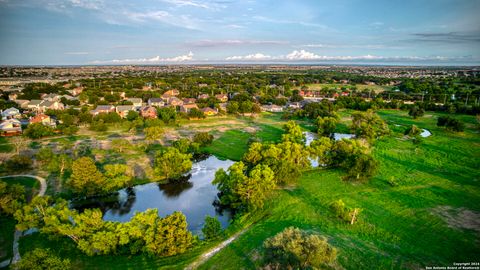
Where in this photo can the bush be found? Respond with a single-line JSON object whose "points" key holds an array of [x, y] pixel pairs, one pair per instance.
{"points": [[203, 138], [18, 163], [349, 215], [296, 249], [37, 130], [212, 228], [40, 259], [451, 123]]}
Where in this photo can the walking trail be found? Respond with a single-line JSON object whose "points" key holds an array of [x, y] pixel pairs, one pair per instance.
{"points": [[18, 234], [207, 255]]}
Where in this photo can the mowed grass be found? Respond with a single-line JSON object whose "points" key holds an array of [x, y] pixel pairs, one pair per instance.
{"points": [[232, 144], [339, 86], [399, 226]]}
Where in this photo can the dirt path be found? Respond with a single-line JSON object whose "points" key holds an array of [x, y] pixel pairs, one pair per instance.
{"points": [[207, 255], [18, 234]]}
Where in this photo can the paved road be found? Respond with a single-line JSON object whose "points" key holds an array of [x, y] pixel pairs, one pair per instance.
{"points": [[18, 234]]}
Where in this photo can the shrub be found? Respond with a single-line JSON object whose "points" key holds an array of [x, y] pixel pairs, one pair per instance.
{"points": [[212, 228], [18, 163], [203, 138], [296, 249]]}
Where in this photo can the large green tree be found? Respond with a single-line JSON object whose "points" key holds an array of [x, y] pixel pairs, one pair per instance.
{"points": [[86, 179], [170, 163]]}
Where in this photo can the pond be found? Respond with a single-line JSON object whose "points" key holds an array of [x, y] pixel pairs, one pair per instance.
{"points": [[194, 197]]}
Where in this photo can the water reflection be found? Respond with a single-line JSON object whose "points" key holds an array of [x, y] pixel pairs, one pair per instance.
{"points": [[194, 197]]}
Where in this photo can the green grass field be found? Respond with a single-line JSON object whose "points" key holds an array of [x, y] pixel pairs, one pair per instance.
{"points": [[425, 219], [410, 225]]}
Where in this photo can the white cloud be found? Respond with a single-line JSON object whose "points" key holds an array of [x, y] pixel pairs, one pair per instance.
{"points": [[153, 60], [250, 57], [302, 55]]}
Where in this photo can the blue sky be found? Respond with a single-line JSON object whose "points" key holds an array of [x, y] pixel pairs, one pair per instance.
{"points": [[62, 32]]}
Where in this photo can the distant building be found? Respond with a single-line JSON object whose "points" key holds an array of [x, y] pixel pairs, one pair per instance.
{"points": [[11, 113], [136, 102], [23, 103], [209, 111], [173, 101], [157, 102], [10, 127], [34, 104], [43, 119], [123, 110], [203, 96], [103, 109], [272, 108], [186, 108], [222, 97], [52, 105], [173, 92], [189, 100], [148, 112]]}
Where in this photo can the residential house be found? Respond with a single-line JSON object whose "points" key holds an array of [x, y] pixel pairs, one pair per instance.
{"points": [[148, 112], [52, 105], [10, 127], [136, 102], [222, 97], [166, 97], [272, 108], [223, 106], [51, 97], [43, 119], [173, 92], [11, 113], [186, 108], [123, 110], [189, 100], [34, 104], [203, 96], [76, 91], [103, 109], [209, 111], [173, 101], [23, 103], [12, 96], [157, 102]]}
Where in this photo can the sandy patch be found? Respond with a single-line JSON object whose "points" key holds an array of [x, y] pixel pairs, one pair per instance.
{"points": [[459, 218]]}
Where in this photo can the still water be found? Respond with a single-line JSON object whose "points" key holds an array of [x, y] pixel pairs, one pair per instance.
{"points": [[194, 197]]}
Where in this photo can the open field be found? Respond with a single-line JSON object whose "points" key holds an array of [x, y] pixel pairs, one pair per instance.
{"points": [[405, 226], [429, 217]]}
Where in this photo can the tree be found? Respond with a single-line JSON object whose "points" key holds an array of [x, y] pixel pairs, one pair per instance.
{"points": [[153, 133], [416, 112], [42, 259], [450, 123], [132, 115], [296, 249], [354, 156], [19, 143], [368, 125], [86, 179], [326, 125], [11, 197], [120, 145], [37, 130], [343, 212], [195, 113], [212, 228], [185, 146], [413, 131], [171, 164], [203, 138], [293, 133], [18, 163], [243, 192], [117, 176], [167, 114], [320, 150]]}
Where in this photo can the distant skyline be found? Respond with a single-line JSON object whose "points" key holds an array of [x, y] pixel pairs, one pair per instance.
{"points": [[81, 32]]}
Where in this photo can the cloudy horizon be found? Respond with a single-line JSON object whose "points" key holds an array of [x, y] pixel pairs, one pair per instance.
{"points": [[81, 32]]}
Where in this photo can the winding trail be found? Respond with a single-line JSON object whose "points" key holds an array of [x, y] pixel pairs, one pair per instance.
{"points": [[18, 234], [207, 255]]}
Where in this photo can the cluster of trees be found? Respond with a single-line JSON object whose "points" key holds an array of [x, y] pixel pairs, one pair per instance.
{"points": [[416, 112], [18, 163], [86, 179], [12, 197], [450, 123], [249, 182], [368, 125], [296, 249], [171, 164], [145, 232], [40, 259]]}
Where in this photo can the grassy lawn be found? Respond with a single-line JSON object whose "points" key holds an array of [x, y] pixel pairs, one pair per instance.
{"points": [[232, 144], [410, 225], [5, 146], [339, 86]]}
